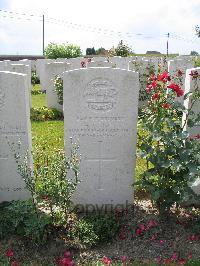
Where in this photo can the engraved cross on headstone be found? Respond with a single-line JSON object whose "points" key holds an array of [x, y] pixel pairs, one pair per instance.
{"points": [[100, 161]]}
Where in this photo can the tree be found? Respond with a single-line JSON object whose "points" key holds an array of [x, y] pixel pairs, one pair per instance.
{"points": [[194, 53], [122, 49], [197, 31], [90, 51], [54, 50]]}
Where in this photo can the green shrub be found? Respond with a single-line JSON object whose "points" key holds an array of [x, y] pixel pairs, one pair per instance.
{"points": [[90, 51], [173, 157], [96, 229], [34, 78], [58, 84], [44, 114], [197, 62], [21, 218], [54, 51], [123, 50]]}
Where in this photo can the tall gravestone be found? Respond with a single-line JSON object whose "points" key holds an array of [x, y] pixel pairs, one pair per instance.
{"points": [[14, 126], [100, 112]]}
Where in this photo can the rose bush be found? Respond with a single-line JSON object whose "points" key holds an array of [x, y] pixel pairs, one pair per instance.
{"points": [[173, 157]]}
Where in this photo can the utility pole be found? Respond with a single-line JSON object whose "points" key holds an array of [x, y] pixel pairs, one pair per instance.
{"points": [[43, 34], [167, 44]]}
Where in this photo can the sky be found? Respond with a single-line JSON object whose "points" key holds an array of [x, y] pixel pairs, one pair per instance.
{"points": [[141, 24]]}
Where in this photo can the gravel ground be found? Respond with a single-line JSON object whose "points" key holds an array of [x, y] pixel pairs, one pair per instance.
{"points": [[143, 237]]}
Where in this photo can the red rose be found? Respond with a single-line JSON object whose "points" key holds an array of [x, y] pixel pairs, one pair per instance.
{"points": [[194, 74], [155, 96], [154, 236], [182, 261], [164, 76], [9, 253], [67, 254], [138, 232], [14, 263], [45, 197], [106, 261], [167, 261], [166, 105], [175, 87], [154, 84], [179, 73], [193, 237]]}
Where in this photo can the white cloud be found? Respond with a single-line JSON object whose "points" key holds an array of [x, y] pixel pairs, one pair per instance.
{"points": [[151, 18]]}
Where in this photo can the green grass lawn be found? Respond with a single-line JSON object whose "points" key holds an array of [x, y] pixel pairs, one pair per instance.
{"points": [[38, 100], [48, 134]]}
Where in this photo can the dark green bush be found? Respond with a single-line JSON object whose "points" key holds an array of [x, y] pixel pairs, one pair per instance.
{"points": [[21, 218], [44, 114], [96, 229]]}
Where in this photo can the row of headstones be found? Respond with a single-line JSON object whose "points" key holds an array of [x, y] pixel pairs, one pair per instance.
{"points": [[100, 112], [49, 69]]}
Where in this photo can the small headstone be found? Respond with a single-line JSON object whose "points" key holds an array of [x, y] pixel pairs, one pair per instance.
{"points": [[100, 112], [100, 64], [145, 68], [14, 126], [180, 64]]}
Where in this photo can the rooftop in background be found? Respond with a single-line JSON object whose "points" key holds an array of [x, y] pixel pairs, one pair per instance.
{"points": [[152, 52]]}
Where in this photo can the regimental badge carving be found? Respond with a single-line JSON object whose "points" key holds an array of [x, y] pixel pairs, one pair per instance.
{"points": [[2, 99], [100, 95]]}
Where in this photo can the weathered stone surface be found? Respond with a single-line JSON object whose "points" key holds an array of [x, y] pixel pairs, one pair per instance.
{"points": [[100, 112], [14, 126]]}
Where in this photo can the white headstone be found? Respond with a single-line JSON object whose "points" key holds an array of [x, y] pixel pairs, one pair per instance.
{"points": [[100, 64], [190, 85], [23, 69], [120, 62], [75, 63], [100, 112], [40, 71], [145, 68], [51, 71], [182, 65], [14, 126]]}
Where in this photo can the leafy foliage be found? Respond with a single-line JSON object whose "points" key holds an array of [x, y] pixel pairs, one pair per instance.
{"points": [[21, 218], [122, 49], [90, 51], [44, 114], [194, 53], [34, 78], [173, 157], [96, 228], [53, 181], [54, 51], [58, 84]]}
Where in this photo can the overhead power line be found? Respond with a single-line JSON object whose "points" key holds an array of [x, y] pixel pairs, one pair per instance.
{"points": [[76, 26]]}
